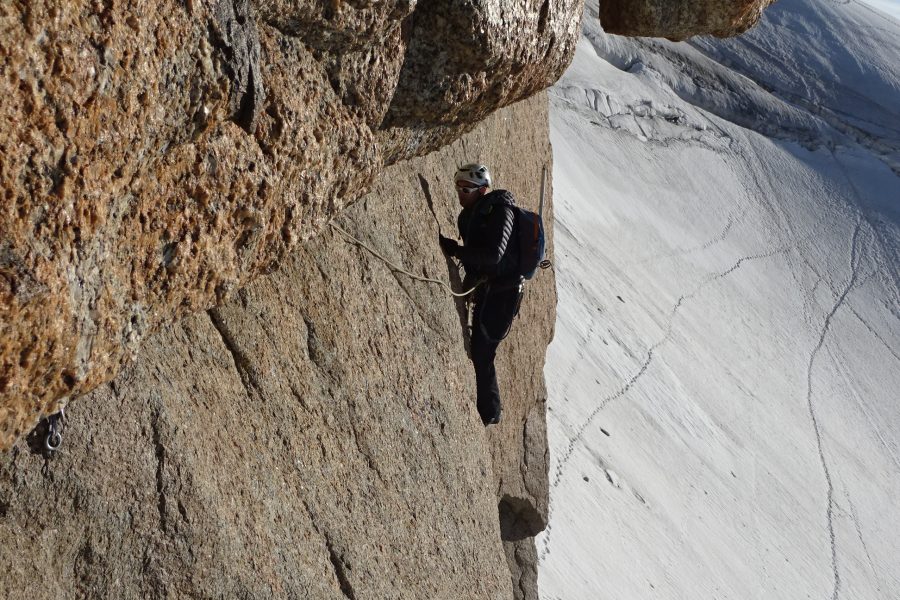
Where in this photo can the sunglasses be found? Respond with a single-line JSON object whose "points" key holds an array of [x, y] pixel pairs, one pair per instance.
{"points": [[467, 190]]}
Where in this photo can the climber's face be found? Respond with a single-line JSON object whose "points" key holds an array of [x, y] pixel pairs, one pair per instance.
{"points": [[468, 193]]}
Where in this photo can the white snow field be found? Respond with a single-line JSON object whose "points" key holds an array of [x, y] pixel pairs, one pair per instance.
{"points": [[891, 7], [724, 384]]}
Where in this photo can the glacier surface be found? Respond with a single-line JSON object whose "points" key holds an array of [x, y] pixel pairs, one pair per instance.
{"points": [[723, 404]]}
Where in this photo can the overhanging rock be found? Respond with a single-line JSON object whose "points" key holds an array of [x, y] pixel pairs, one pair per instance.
{"points": [[160, 155], [680, 19]]}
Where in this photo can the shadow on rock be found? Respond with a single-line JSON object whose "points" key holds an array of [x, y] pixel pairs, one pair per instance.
{"points": [[518, 519]]}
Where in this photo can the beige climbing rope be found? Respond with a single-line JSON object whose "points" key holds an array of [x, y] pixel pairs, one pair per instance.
{"points": [[402, 270]]}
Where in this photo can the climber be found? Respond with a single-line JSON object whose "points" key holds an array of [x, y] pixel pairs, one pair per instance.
{"points": [[489, 252]]}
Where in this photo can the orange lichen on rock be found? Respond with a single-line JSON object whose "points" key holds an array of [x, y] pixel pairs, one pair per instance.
{"points": [[159, 155]]}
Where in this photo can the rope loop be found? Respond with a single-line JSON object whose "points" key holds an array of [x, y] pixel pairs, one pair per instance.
{"points": [[402, 270]]}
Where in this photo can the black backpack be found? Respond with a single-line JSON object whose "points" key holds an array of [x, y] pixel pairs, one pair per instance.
{"points": [[530, 231]]}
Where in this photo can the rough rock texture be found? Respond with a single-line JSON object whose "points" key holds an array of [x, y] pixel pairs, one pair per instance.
{"points": [[680, 19], [464, 58], [314, 437], [158, 154]]}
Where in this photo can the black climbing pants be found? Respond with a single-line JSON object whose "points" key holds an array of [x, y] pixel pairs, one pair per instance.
{"points": [[492, 318]]}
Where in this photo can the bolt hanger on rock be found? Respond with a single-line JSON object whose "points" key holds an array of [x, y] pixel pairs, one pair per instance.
{"points": [[54, 434]]}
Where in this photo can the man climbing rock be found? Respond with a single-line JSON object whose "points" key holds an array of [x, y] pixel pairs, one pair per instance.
{"points": [[489, 252]]}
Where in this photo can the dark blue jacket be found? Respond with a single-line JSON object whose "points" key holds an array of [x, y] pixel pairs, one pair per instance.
{"points": [[489, 246]]}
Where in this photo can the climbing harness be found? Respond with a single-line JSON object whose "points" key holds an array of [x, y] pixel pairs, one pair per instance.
{"points": [[54, 435], [404, 271], [515, 312]]}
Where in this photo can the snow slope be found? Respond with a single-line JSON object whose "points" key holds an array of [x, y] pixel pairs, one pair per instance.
{"points": [[889, 7], [724, 414]]}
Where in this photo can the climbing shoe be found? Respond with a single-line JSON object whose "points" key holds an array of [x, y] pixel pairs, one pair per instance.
{"points": [[491, 420]]}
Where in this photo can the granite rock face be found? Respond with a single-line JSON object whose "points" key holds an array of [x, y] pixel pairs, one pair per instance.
{"points": [[301, 424], [158, 155], [680, 19], [466, 57], [316, 435]]}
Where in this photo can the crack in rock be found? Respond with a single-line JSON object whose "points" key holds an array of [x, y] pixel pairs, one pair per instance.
{"points": [[243, 365], [160, 452], [236, 37], [340, 570]]}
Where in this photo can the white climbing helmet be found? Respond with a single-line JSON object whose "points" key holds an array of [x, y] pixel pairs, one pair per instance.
{"points": [[475, 173]]}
